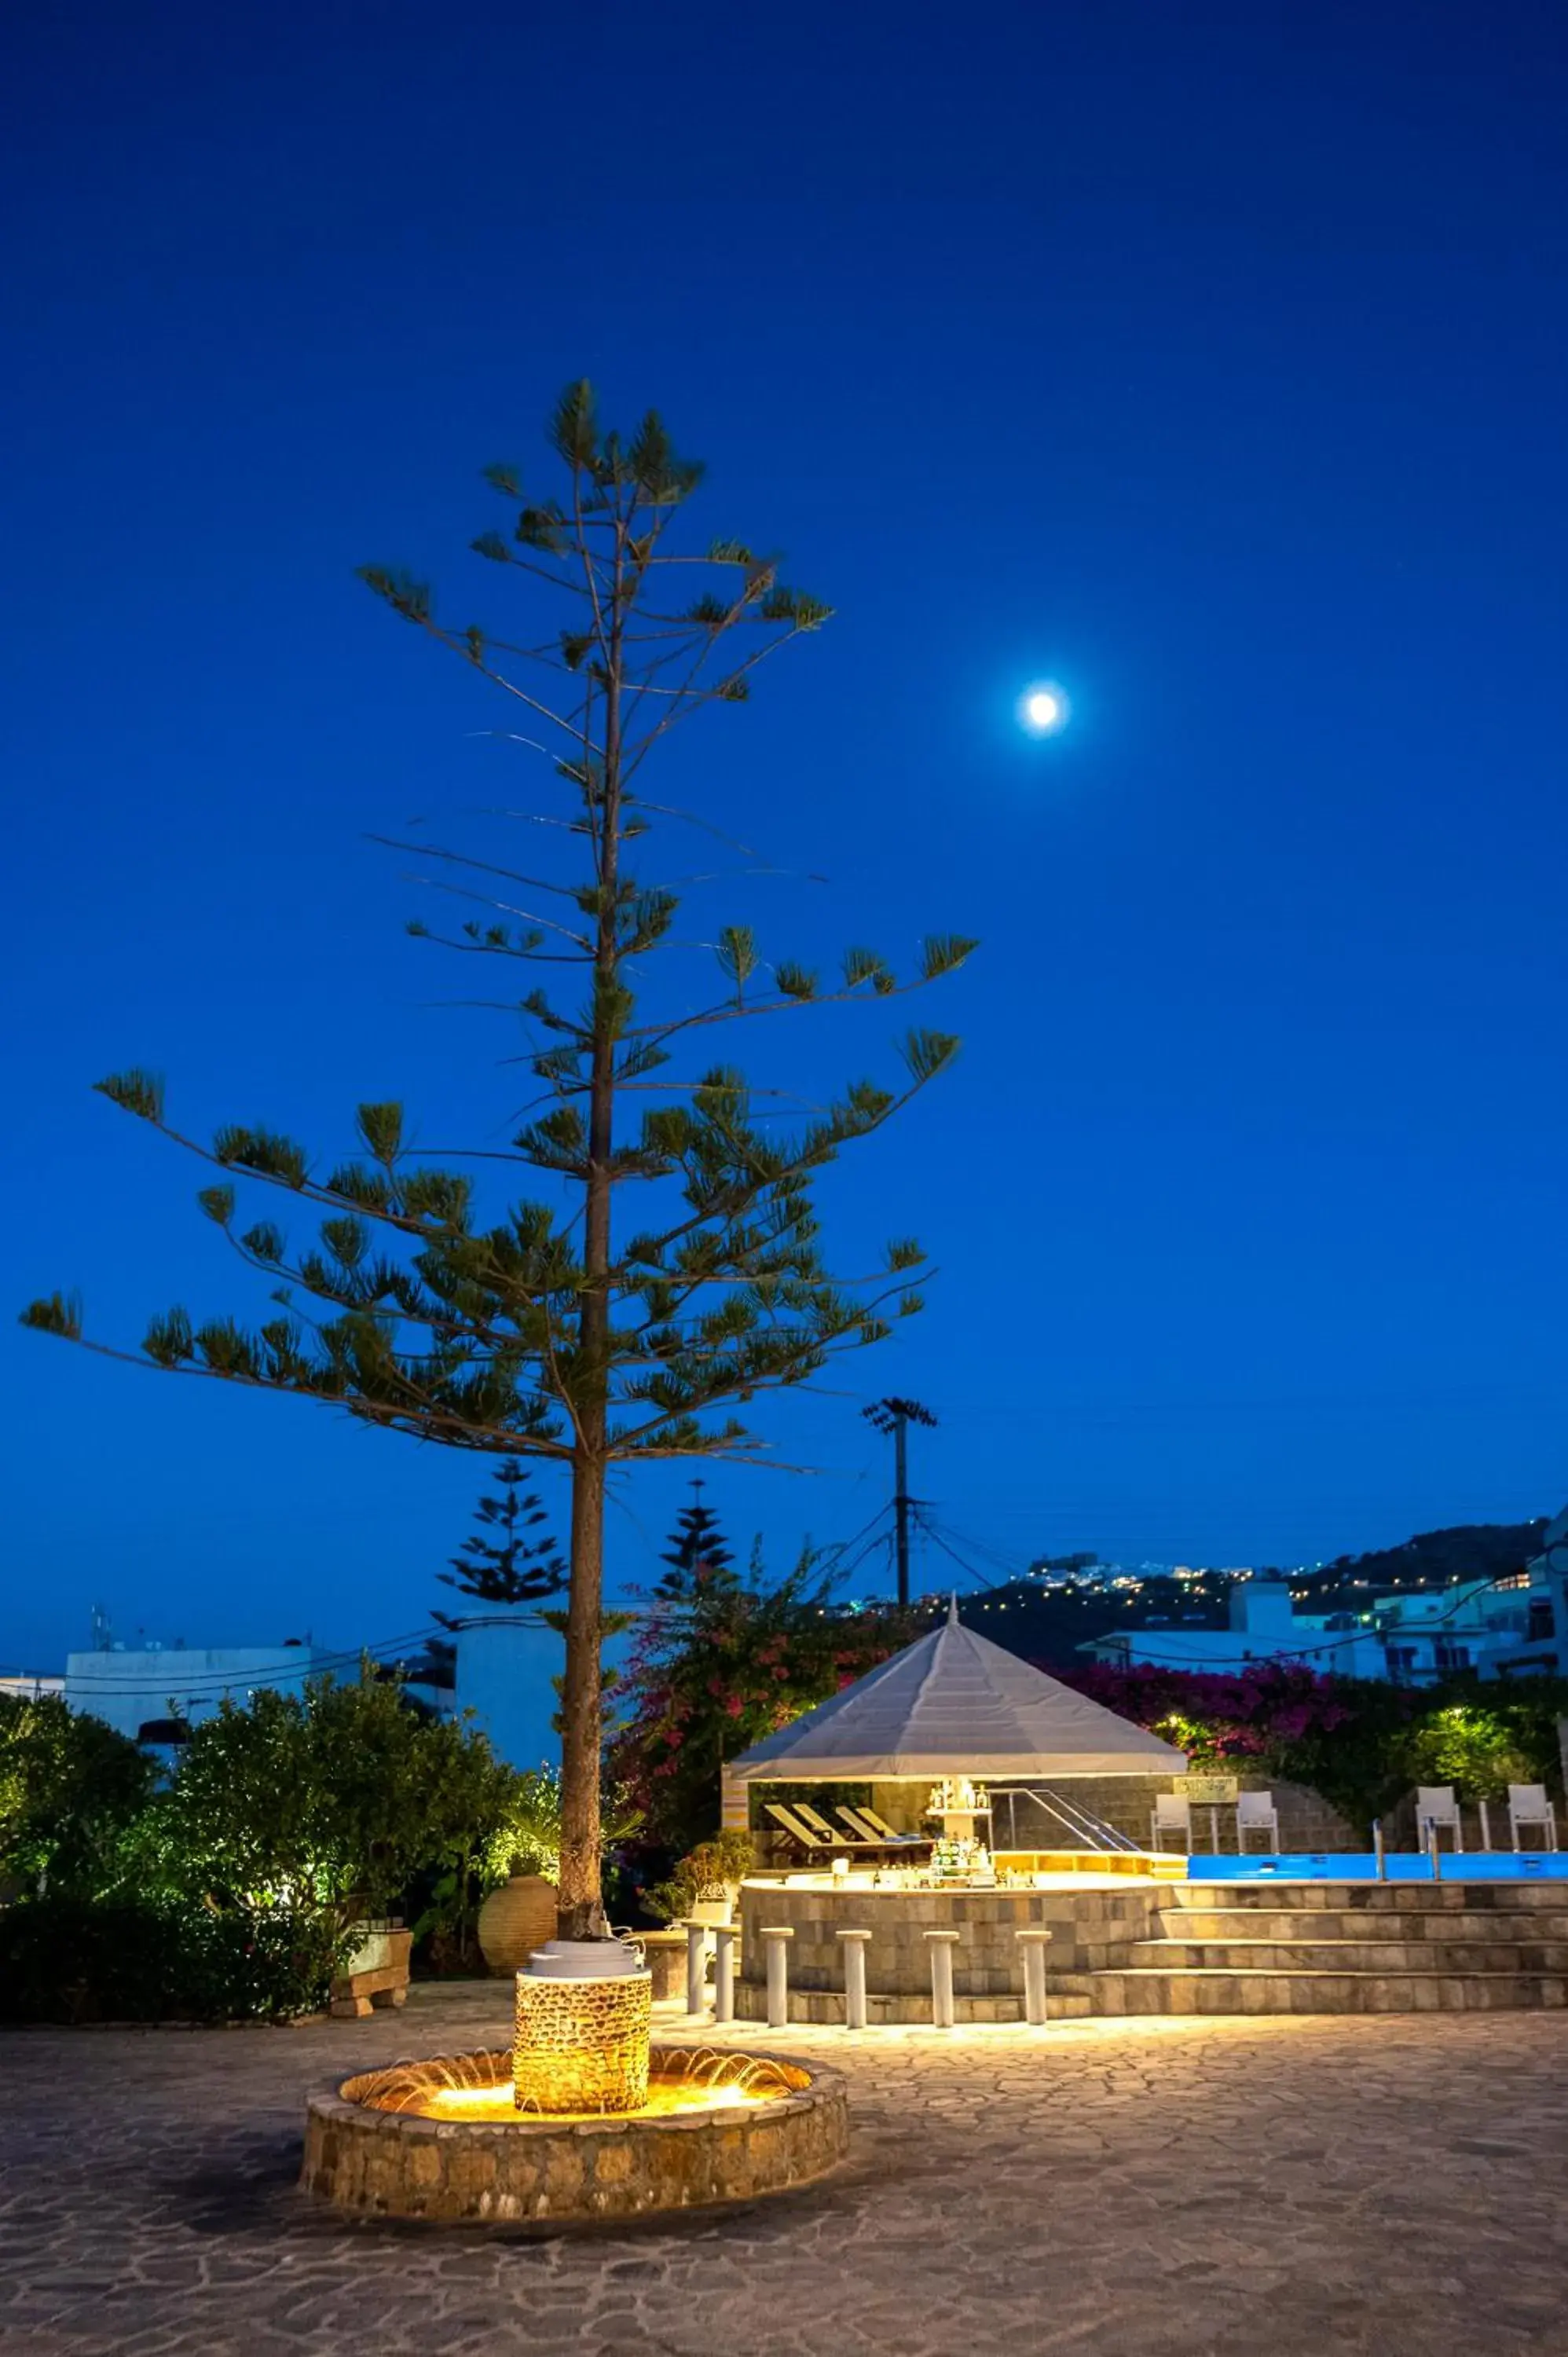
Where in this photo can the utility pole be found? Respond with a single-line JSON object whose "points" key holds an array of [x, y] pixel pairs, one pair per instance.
{"points": [[896, 1415]]}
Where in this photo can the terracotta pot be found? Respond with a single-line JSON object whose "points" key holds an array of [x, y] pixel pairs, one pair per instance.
{"points": [[514, 1920]]}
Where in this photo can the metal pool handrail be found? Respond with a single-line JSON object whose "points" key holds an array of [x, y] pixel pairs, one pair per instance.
{"points": [[1081, 1822]]}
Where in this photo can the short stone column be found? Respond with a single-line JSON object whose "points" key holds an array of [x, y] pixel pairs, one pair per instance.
{"points": [[854, 1978], [665, 1956], [942, 1945], [723, 1972], [1034, 1939], [697, 1937], [775, 1938]]}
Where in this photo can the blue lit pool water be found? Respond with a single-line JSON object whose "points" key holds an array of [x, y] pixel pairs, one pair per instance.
{"points": [[1400, 1866]]}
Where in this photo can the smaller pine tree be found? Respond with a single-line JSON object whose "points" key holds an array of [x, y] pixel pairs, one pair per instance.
{"points": [[699, 1560], [500, 1564]]}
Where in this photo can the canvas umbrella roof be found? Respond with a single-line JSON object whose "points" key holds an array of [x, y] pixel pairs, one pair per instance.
{"points": [[954, 1704]]}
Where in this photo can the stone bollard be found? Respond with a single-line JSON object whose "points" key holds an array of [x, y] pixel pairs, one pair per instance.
{"points": [[776, 1937], [942, 1945], [1034, 1939], [697, 1937], [723, 1972], [854, 1978]]}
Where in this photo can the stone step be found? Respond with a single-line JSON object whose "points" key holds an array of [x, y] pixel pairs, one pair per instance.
{"points": [[1481, 1926], [1309, 1955], [1147, 1991], [1473, 1898]]}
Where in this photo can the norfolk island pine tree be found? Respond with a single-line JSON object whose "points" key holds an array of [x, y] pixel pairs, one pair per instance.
{"points": [[554, 1332], [500, 1562]]}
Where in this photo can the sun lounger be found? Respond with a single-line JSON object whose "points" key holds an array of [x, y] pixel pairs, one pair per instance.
{"points": [[819, 1825], [796, 1827], [874, 1832], [879, 1825]]}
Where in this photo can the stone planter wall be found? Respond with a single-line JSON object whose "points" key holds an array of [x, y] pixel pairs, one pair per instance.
{"points": [[388, 2163]]}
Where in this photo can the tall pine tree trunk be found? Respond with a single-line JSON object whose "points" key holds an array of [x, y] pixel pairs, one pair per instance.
{"points": [[580, 1908], [580, 1901]]}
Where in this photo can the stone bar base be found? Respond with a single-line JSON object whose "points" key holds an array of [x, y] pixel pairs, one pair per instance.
{"points": [[1126, 1948], [1090, 1927]]}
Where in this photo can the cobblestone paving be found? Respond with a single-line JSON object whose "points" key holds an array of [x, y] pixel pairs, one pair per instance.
{"points": [[1292, 2188]]}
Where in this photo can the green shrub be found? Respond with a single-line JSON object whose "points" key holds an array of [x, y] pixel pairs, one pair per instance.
{"points": [[709, 1872], [71, 1789], [332, 1801], [1473, 1747], [64, 1958]]}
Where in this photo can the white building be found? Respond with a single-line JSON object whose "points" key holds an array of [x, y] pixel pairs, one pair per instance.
{"points": [[153, 1683], [29, 1688], [1493, 1628]]}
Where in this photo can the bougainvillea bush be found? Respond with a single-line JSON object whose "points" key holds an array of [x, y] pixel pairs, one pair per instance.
{"points": [[736, 1662], [1358, 1742]]}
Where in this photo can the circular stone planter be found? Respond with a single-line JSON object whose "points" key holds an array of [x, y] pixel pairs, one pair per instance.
{"points": [[762, 2122]]}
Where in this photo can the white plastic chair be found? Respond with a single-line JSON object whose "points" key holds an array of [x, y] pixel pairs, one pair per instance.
{"points": [[1436, 1805], [1528, 1805], [1256, 1813], [1172, 1814]]}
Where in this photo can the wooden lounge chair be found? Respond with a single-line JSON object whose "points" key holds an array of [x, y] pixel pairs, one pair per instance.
{"points": [[880, 1827], [796, 1827], [871, 1831], [819, 1825]]}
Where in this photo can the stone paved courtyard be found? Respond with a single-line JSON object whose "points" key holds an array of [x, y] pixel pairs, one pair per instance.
{"points": [[1272, 2189]]}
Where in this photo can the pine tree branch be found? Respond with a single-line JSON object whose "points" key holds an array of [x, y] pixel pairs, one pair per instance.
{"points": [[479, 866]]}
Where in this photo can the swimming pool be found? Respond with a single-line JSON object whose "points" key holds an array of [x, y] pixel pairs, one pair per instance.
{"points": [[1399, 1866]]}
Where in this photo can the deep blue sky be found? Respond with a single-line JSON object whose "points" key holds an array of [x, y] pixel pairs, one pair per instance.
{"points": [[1210, 359]]}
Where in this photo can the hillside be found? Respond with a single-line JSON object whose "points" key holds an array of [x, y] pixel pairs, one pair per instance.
{"points": [[1049, 1625], [1436, 1558]]}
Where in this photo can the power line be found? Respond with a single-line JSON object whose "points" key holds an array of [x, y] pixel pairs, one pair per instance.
{"points": [[313, 1664], [933, 1530]]}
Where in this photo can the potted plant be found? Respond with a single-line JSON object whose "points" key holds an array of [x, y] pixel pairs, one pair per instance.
{"points": [[522, 1860], [705, 1883]]}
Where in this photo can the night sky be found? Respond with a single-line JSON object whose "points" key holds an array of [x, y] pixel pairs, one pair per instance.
{"points": [[1207, 359]]}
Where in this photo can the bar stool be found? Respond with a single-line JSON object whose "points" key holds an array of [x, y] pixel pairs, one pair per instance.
{"points": [[697, 1937], [1034, 1939], [854, 1978], [723, 1972], [775, 1938], [942, 1945]]}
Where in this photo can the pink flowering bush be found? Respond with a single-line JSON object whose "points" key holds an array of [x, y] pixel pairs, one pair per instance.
{"points": [[738, 1662], [1349, 1738]]}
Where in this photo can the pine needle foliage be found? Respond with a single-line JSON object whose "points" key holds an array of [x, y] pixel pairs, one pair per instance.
{"points": [[565, 1326], [698, 1557], [500, 1562]]}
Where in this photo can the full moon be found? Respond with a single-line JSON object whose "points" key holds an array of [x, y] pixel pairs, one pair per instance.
{"points": [[1043, 708]]}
